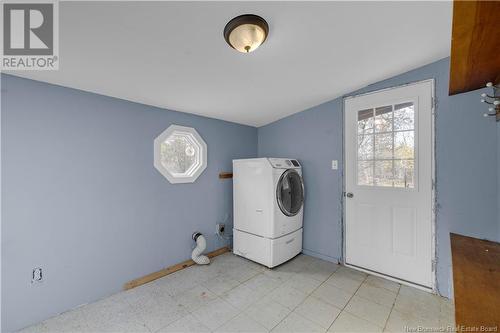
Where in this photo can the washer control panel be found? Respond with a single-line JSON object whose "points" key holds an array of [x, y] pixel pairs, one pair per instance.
{"points": [[284, 163]]}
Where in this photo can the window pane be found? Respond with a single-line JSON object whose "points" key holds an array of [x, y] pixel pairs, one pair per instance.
{"points": [[383, 146], [365, 173], [386, 146], [383, 119], [365, 147], [404, 145], [365, 121], [383, 173], [404, 116], [178, 154], [404, 171]]}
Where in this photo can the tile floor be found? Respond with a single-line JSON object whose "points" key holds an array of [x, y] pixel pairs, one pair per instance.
{"points": [[236, 295]]}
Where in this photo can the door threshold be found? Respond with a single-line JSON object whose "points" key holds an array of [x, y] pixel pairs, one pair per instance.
{"points": [[391, 278]]}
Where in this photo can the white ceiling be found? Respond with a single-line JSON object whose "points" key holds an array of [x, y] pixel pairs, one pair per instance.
{"points": [[173, 54]]}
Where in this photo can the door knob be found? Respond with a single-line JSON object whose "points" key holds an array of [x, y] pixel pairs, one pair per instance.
{"points": [[349, 195]]}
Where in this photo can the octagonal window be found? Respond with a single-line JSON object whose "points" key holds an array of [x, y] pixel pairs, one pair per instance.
{"points": [[180, 154]]}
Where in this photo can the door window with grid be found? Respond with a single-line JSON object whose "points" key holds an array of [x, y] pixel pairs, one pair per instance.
{"points": [[386, 146]]}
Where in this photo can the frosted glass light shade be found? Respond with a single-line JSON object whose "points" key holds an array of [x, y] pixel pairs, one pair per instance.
{"points": [[246, 33]]}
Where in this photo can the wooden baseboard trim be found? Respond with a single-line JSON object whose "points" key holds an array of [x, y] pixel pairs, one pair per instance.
{"points": [[170, 270]]}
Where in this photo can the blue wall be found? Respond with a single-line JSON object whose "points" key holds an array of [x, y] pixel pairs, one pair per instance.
{"points": [[315, 138], [498, 181], [466, 163], [82, 200]]}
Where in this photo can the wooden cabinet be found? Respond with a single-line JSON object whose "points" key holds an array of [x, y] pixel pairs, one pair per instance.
{"points": [[476, 282], [475, 45]]}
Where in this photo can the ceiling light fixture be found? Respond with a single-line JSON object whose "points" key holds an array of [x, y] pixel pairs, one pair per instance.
{"points": [[245, 33]]}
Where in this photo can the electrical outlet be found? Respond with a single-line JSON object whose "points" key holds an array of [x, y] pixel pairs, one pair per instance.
{"points": [[220, 228], [335, 164], [36, 276]]}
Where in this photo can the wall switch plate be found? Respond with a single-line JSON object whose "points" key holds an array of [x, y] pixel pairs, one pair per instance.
{"points": [[37, 275], [335, 164]]}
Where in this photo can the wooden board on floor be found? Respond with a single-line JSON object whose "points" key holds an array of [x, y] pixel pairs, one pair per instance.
{"points": [[170, 270], [476, 281], [475, 46]]}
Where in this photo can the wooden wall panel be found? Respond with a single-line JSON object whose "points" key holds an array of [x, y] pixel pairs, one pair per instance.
{"points": [[475, 45]]}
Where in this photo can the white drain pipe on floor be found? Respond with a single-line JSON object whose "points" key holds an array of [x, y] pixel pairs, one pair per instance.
{"points": [[201, 245]]}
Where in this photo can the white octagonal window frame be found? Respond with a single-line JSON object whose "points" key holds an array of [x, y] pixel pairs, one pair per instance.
{"points": [[200, 151]]}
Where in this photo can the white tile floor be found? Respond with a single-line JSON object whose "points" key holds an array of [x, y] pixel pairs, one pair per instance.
{"points": [[236, 295]]}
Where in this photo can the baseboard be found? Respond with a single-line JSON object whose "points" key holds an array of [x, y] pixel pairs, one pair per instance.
{"points": [[170, 270], [320, 256]]}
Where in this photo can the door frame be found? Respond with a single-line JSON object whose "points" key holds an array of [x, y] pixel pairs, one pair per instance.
{"points": [[433, 192]]}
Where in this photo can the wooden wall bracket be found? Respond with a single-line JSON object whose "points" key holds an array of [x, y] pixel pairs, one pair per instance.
{"points": [[225, 175]]}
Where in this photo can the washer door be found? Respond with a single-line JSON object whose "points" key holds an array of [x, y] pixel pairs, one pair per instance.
{"points": [[290, 192]]}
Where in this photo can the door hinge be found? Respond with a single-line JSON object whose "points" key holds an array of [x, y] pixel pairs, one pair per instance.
{"points": [[434, 265], [433, 103]]}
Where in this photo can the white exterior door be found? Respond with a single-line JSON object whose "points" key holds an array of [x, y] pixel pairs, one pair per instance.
{"points": [[389, 175]]}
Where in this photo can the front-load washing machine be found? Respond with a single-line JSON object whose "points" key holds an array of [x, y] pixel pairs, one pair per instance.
{"points": [[268, 196]]}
